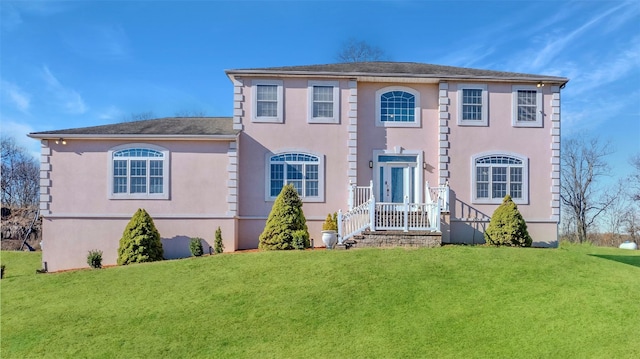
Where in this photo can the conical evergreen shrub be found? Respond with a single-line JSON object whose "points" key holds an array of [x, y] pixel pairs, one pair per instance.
{"points": [[285, 222], [140, 240], [507, 227]]}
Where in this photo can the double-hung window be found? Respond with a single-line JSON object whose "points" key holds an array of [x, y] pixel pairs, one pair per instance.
{"points": [[498, 175], [267, 101], [527, 106], [323, 102], [139, 172], [472, 105], [397, 107], [303, 170]]}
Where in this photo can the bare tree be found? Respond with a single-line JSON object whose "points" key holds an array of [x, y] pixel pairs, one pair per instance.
{"points": [[20, 175], [631, 223], [357, 51], [583, 164], [190, 113], [139, 116], [634, 179]]}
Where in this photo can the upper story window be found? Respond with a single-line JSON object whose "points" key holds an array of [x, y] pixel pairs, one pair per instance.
{"points": [[323, 102], [472, 105], [305, 171], [496, 175], [397, 107], [139, 171], [527, 106], [267, 101]]}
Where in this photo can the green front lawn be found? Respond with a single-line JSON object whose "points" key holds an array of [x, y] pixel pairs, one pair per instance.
{"points": [[454, 301]]}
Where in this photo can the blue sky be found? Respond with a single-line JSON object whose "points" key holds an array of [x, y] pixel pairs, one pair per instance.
{"points": [[82, 63]]}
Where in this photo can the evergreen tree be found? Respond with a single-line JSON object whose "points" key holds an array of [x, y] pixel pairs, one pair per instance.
{"points": [[507, 227], [140, 241], [218, 246], [285, 220]]}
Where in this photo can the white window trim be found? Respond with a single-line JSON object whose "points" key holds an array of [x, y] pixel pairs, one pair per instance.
{"points": [[336, 102], [525, 179], [514, 106], [485, 105], [165, 171], [254, 102], [321, 175], [380, 123]]}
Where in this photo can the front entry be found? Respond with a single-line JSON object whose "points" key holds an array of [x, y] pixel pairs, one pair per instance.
{"points": [[397, 177]]}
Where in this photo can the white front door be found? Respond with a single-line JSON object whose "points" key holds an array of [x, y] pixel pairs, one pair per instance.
{"points": [[397, 182]]}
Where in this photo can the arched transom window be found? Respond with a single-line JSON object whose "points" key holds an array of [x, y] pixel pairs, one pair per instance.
{"points": [[139, 172], [497, 175], [398, 106], [305, 171]]}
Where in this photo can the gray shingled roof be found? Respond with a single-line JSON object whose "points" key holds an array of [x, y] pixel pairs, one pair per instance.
{"points": [[169, 126], [397, 69]]}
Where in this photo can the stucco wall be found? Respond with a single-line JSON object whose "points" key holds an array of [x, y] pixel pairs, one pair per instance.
{"points": [[294, 135], [82, 217], [67, 242]]}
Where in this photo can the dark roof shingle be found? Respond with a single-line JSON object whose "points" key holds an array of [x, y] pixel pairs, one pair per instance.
{"points": [[395, 69], [169, 126]]}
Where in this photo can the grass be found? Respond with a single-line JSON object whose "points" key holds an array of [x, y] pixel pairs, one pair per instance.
{"points": [[471, 302]]}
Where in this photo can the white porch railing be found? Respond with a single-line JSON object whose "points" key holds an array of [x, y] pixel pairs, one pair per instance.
{"points": [[407, 216], [364, 212], [438, 194], [359, 195]]}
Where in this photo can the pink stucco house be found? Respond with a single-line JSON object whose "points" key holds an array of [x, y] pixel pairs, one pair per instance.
{"points": [[402, 148]]}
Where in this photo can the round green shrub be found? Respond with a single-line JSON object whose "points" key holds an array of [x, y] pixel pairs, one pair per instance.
{"points": [[195, 245], [94, 259], [285, 219], [300, 239], [507, 227], [140, 241]]}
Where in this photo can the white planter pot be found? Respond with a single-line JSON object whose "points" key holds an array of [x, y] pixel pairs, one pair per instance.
{"points": [[330, 238]]}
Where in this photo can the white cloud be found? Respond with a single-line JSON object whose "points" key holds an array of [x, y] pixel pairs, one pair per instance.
{"points": [[69, 99], [560, 40], [16, 95]]}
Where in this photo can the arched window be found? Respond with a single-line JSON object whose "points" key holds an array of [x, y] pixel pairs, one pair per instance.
{"points": [[305, 171], [397, 106], [139, 171], [496, 175]]}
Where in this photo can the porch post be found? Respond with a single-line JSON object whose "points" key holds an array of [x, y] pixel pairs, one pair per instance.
{"points": [[438, 216], [340, 231], [351, 194], [445, 196], [372, 212], [427, 192], [371, 188], [406, 213]]}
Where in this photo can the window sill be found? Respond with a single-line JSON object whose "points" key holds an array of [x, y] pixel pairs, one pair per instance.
{"points": [[139, 197]]}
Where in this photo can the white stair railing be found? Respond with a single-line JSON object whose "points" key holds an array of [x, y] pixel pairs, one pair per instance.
{"points": [[354, 221]]}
